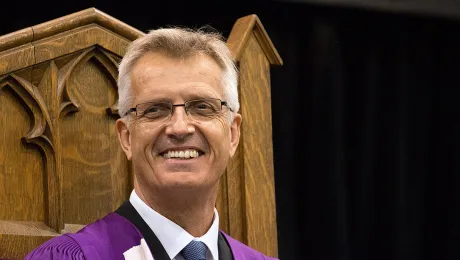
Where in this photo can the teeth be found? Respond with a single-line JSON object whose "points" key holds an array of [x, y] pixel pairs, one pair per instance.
{"points": [[181, 154]]}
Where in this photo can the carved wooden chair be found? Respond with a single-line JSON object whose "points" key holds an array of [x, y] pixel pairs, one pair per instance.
{"points": [[61, 166]]}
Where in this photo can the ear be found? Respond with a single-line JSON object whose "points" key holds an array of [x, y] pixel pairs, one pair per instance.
{"points": [[235, 133], [124, 136]]}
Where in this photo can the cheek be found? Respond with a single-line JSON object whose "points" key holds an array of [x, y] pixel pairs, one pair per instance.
{"points": [[143, 136], [218, 135]]}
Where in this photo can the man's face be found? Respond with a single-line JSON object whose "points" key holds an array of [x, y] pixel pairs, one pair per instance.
{"points": [[148, 144]]}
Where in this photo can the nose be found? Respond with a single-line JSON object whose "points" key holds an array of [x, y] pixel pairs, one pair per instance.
{"points": [[179, 126]]}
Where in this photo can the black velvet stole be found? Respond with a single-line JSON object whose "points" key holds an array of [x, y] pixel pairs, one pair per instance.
{"points": [[127, 211]]}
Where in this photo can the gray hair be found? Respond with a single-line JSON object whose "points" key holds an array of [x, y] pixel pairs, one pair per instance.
{"points": [[179, 43]]}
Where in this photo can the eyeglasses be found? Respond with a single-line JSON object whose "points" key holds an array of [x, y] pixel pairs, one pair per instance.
{"points": [[198, 109]]}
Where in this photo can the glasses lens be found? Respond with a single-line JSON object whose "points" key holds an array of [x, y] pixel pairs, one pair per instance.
{"points": [[204, 108], [154, 111]]}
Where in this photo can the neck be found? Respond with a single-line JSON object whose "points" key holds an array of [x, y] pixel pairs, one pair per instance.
{"points": [[191, 210]]}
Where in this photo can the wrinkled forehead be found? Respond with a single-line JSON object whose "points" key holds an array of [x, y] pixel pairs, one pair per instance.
{"points": [[158, 74]]}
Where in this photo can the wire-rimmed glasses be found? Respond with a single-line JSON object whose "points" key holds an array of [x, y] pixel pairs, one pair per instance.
{"points": [[198, 109]]}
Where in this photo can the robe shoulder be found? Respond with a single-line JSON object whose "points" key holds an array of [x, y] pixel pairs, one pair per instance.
{"points": [[62, 247], [105, 239], [243, 252]]}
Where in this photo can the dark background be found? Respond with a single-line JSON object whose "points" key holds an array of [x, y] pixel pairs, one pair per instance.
{"points": [[365, 116]]}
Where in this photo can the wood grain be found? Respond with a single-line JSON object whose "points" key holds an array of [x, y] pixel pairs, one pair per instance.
{"points": [[17, 58], [235, 191], [243, 30], [68, 23], [61, 166], [16, 247], [62, 36], [222, 205], [15, 39], [47, 90], [22, 194], [32, 228], [258, 175], [78, 39], [251, 199], [94, 162], [82, 18]]}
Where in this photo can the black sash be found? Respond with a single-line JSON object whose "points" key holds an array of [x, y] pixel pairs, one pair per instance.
{"points": [[158, 251]]}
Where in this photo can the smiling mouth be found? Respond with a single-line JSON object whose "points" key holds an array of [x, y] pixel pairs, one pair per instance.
{"points": [[182, 154]]}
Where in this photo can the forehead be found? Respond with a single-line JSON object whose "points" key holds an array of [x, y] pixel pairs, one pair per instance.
{"points": [[158, 76]]}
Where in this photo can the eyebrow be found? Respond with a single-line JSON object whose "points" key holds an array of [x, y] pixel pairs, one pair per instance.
{"points": [[195, 96], [189, 97], [161, 99]]}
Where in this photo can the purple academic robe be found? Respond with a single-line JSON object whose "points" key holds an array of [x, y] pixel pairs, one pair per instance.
{"points": [[109, 238]]}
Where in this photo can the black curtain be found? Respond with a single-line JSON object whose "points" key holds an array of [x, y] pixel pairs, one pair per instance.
{"points": [[367, 134], [365, 121]]}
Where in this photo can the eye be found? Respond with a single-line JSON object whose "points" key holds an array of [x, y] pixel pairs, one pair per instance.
{"points": [[203, 106], [158, 110], [152, 109]]}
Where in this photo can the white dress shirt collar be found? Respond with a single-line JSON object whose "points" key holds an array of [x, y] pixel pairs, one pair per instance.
{"points": [[173, 237]]}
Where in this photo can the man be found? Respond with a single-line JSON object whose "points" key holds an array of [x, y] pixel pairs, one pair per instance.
{"points": [[179, 126]]}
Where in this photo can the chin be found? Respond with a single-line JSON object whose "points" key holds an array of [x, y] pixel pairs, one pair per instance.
{"points": [[178, 186], [185, 179]]}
